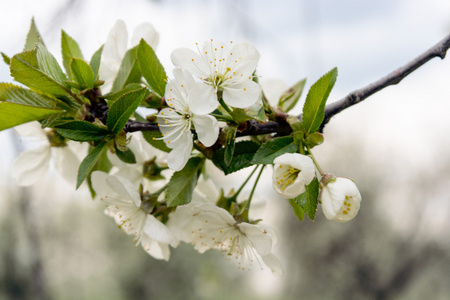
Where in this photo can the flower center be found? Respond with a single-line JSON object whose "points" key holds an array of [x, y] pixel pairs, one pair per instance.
{"points": [[346, 208], [287, 177]]}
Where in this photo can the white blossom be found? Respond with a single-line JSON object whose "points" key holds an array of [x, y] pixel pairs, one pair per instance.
{"points": [[124, 204], [34, 164], [116, 46], [177, 121], [340, 200], [291, 173], [221, 69]]}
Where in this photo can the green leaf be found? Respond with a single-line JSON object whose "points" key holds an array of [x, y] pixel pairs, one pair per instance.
{"points": [[242, 158], [33, 37], [229, 143], [118, 94], [289, 99], [16, 94], [89, 162], [70, 49], [308, 200], [82, 73], [82, 131], [126, 156], [95, 61], [314, 108], [49, 65], [6, 58], [129, 71], [25, 69], [298, 210], [13, 114], [158, 144], [151, 68], [121, 110], [239, 115], [182, 183], [274, 148]]}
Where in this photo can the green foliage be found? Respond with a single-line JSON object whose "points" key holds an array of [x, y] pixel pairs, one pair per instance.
{"points": [[35, 71], [118, 94], [13, 114], [314, 108], [274, 148], [126, 156], [33, 37], [6, 58], [89, 162], [153, 138], [242, 158], [16, 94], [82, 73], [289, 99], [151, 69], [95, 61], [82, 131], [70, 49], [308, 200], [298, 210], [182, 184], [122, 109], [230, 132], [129, 71]]}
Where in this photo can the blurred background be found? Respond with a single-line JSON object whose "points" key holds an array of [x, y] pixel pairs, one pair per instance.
{"points": [[57, 244]]}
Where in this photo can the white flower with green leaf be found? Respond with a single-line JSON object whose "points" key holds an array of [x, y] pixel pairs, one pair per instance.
{"points": [[116, 46], [221, 70], [291, 173], [123, 203], [177, 121], [341, 199]]}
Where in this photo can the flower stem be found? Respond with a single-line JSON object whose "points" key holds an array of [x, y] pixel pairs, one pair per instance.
{"points": [[222, 118], [243, 184], [322, 173], [225, 106], [247, 205]]}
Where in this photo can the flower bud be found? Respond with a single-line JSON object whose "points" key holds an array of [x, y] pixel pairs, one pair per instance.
{"points": [[340, 200]]}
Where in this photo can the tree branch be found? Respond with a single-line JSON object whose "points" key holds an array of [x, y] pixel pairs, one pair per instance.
{"points": [[438, 50]]}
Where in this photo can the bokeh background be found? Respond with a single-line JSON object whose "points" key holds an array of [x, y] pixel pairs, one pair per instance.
{"points": [[57, 244]]}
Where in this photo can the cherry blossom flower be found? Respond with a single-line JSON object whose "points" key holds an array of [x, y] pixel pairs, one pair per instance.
{"points": [[124, 204], [207, 227], [177, 121], [340, 200], [116, 46], [34, 164], [291, 173], [221, 70]]}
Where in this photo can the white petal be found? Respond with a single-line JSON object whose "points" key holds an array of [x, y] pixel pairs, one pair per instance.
{"points": [[147, 32], [32, 129], [207, 129], [273, 263], [124, 188], [31, 165], [202, 99], [99, 184], [159, 232], [66, 163], [179, 155], [243, 94], [116, 42], [206, 191], [155, 249], [260, 238], [191, 61], [247, 58], [183, 76]]}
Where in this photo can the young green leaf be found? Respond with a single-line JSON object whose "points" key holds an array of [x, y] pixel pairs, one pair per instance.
{"points": [[153, 138], [298, 210], [242, 158], [129, 71], [16, 94], [314, 107], [308, 200], [70, 49], [6, 58], [26, 70], [182, 184], [13, 114], [82, 73], [82, 131], [33, 37], [229, 143], [95, 61], [126, 156], [121, 110], [290, 98], [151, 69], [49, 65], [89, 162], [274, 148]]}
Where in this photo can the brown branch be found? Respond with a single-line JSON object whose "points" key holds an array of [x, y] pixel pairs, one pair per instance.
{"points": [[438, 50]]}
